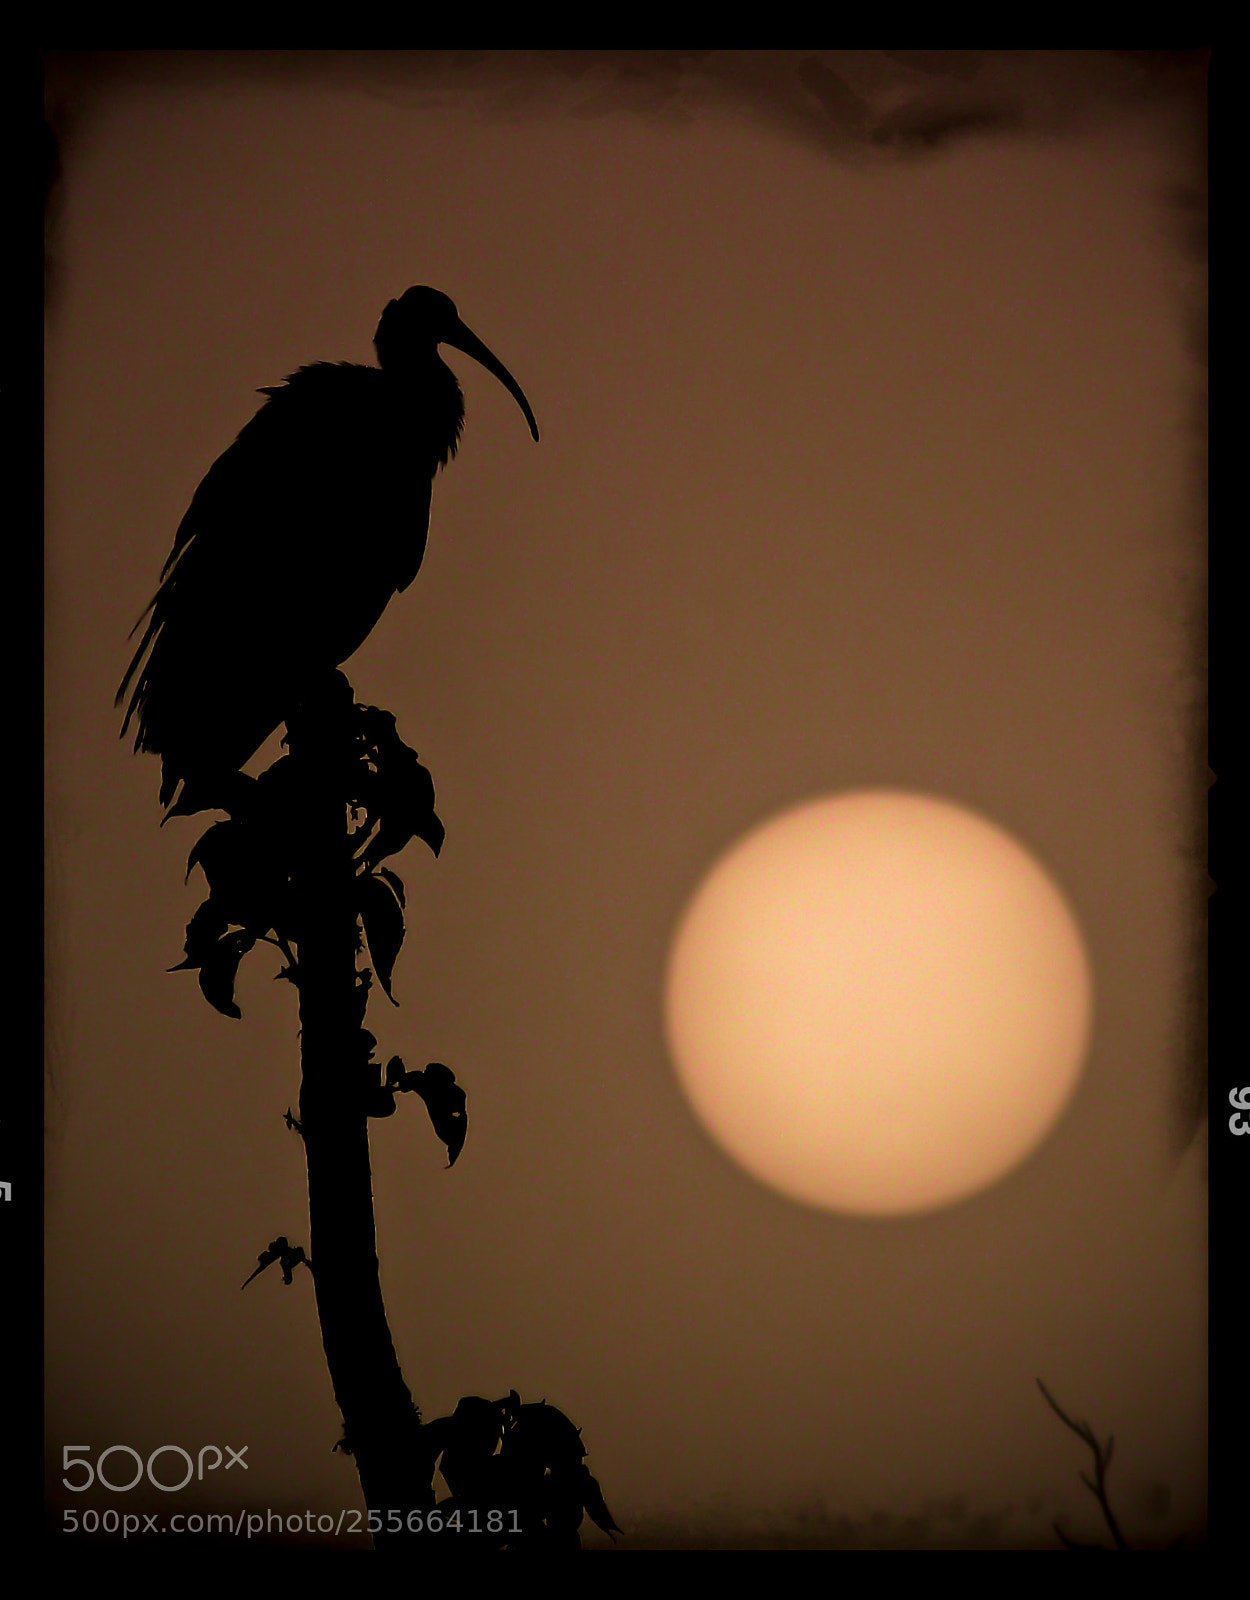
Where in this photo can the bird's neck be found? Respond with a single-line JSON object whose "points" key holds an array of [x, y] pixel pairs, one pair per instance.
{"points": [[431, 390]]}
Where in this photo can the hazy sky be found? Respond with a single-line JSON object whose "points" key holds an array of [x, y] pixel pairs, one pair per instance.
{"points": [[869, 391]]}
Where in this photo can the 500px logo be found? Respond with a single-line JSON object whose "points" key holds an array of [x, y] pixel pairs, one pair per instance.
{"points": [[71, 1459]]}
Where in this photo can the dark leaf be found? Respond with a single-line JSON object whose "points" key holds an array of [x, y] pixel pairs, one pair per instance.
{"points": [[433, 1439], [561, 1502], [396, 883], [378, 730], [380, 1101], [280, 1251], [244, 877], [445, 1101], [416, 785], [596, 1510], [279, 793], [384, 926], [495, 1453], [477, 1423], [404, 808], [219, 969], [549, 1437], [266, 1258], [365, 790], [471, 1436], [393, 789], [203, 933], [289, 1260], [213, 851]]}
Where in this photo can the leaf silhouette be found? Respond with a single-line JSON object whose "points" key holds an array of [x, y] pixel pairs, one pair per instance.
{"points": [[380, 1101], [213, 851], [396, 883], [279, 790], [471, 1436], [445, 1101], [400, 796], [596, 1509], [549, 1437], [220, 968], [203, 933], [560, 1505], [245, 878], [288, 1258], [381, 913], [495, 1453], [414, 791]]}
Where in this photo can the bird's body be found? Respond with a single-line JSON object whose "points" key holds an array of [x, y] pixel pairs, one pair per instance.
{"points": [[296, 540]]}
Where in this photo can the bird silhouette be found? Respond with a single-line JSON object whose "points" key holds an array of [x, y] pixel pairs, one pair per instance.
{"points": [[294, 544]]}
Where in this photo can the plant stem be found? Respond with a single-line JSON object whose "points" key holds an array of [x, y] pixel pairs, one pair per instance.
{"points": [[382, 1424]]}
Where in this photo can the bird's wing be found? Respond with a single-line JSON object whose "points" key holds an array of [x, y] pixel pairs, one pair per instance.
{"points": [[198, 514], [411, 552], [212, 619], [294, 543]]}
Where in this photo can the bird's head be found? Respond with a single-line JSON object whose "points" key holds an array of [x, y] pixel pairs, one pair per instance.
{"points": [[419, 321]]}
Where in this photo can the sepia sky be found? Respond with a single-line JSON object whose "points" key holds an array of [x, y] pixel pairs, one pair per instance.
{"points": [[870, 387]]}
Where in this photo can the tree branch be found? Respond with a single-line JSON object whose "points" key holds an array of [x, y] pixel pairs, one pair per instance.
{"points": [[1098, 1486]]}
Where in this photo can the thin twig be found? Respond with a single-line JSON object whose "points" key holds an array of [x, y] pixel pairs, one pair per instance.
{"points": [[1098, 1486]]}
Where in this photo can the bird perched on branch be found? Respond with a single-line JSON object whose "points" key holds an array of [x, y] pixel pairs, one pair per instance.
{"points": [[294, 544]]}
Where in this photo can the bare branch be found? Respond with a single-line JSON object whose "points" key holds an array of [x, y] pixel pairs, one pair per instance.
{"points": [[1096, 1486]]}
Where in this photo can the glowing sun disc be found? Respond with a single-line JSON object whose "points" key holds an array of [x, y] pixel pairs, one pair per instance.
{"points": [[878, 1003]]}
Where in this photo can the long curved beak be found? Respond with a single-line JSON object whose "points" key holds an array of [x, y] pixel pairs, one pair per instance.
{"points": [[462, 339]]}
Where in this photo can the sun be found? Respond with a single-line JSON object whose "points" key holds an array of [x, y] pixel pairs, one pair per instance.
{"points": [[878, 1003]]}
